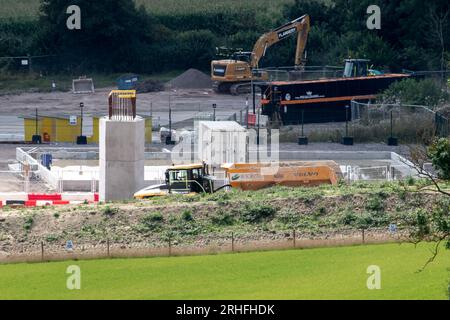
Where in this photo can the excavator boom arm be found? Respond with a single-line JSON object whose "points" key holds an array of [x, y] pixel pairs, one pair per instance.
{"points": [[300, 26]]}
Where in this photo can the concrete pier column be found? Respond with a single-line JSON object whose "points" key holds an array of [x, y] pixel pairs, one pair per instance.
{"points": [[122, 146]]}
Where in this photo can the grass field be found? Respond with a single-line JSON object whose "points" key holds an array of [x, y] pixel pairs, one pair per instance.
{"points": [[30, 8], [332, 273]]}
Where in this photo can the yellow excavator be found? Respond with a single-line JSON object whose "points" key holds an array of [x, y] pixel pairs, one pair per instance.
{"points": [[234, 75]]}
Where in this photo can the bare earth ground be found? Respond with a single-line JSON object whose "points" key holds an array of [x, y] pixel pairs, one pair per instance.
{"points": [[185, 103]]}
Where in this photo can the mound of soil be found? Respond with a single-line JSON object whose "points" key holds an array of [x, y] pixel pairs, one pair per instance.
{"points": [[149, 86], [191, 79]]}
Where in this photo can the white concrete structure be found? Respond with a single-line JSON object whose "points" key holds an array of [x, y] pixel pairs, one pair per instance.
{"points": [[122, 146], [221, 142]]}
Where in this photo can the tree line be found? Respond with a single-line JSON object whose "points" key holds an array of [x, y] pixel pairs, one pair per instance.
{"points": [[117, 36]]}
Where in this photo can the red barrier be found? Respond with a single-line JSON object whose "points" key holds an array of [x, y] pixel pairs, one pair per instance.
{"points": [[30, 203], [45, 197], [60, 202], [96, 197], [252, 119]]}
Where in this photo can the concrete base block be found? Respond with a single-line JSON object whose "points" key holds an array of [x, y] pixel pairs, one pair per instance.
{"points": [[393, 142], [303, 141], [347, 141], [122, 146]]}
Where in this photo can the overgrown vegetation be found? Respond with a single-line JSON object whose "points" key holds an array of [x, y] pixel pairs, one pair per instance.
{"points": [[176, 34], [439, 153], [426, 92], [409, 128], [433, 225]]}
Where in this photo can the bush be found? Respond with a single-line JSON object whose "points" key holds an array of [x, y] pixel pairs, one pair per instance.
{"points": [[348, 218], [254, 213], [375, 203], [109, 212], [410, 91], [186, 215], [151, 222], [288, 217], [28, 224], [223, 218], [439, 153], [364, 221], [51, 238], [410, 181]]}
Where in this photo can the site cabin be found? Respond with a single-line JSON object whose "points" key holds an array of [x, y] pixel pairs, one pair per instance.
{"points": [[324, 100]]}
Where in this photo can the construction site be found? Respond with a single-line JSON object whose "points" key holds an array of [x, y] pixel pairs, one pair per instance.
{"points": [[238, 115], [236, 156], [105, 146]]}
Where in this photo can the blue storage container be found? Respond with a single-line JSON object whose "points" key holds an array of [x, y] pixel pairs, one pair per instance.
{"points": [[47, 160], [127, 82]]}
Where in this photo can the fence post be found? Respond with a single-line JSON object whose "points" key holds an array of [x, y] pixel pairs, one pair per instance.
{"points": [[107, 247], [294, 238], [42, 251], [363, 233], [232, 242], [170, 245]]}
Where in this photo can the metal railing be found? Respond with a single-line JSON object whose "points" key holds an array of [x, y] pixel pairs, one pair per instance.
{"points": [[299, 74], [49, 249], [122, 105]]}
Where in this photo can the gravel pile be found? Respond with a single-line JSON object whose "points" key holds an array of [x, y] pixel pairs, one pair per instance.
{"points": [[191, 79]]}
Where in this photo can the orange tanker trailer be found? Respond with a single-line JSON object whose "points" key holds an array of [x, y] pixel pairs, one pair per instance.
{"points": [[255, 176]]}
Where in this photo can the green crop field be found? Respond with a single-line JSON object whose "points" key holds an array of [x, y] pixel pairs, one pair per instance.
{"points": [[332, 273], [30, 8], [19, 8], [205, 6]]}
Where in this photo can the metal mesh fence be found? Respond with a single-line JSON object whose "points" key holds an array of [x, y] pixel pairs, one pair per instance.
{"points": [[50, 249], [407, 122]]}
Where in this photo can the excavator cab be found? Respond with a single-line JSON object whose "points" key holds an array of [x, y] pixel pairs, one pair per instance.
{"points": [[242, 56], [356, 68]]}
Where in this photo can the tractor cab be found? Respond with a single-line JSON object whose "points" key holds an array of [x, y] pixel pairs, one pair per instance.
{"points": [[356, 68], [185, 179]]}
